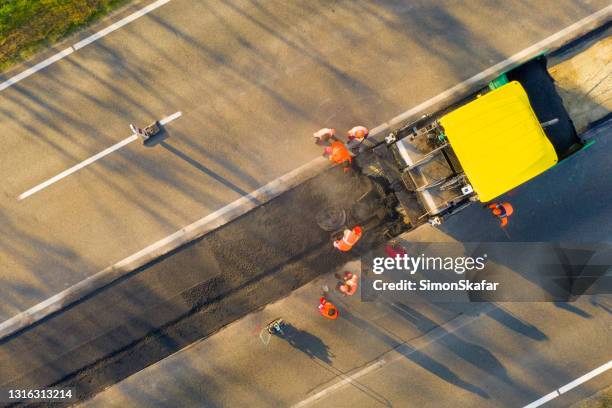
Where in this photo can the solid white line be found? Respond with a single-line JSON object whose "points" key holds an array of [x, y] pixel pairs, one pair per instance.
{"points": [[77, 167], [170, 118], [36, 68], [119, 24], [578, 381], [94, 37], [499, 67]]}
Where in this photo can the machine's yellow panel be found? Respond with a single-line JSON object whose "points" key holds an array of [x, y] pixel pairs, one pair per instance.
{"points": [[499, 141]]}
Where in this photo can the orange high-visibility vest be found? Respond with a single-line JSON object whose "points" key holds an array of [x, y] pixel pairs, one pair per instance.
{"points": [[358, 132], [339, 153], [502, 211], [349, 239], [328, 309]]}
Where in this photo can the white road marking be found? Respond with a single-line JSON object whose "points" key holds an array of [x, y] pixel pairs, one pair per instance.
{"points": [[77, 167], [92, 159], [578, 381], [502, 66], [94, 37], [36, 68], [119, 24], [170, 118], [406, 349]]}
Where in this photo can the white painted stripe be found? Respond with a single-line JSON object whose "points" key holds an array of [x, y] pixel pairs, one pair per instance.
{"points": [[77, 167], [93, 158], [94, 37], [346, 380], [119, 24], [170, 118], [36, 68], [586, 377], [502, 66], [406, 349], [578, 381], [543, 400]]}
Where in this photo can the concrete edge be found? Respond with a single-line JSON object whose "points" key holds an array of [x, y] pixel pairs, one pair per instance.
{"points": [[286, 182]]}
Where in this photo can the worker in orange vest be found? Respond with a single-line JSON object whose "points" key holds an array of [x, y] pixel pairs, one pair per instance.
{"points": [[501, 211], [349, 239], [348, 285], [323, 136], [339, 154], [327, 309]]}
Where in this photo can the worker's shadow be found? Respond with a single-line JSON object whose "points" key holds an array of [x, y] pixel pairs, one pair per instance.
{"points": [[307, 343]]}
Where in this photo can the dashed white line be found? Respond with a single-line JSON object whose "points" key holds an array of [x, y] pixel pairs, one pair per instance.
{"points": [[92, 159], [94, 37], [170, 118], [77, 167], [578, 381]]}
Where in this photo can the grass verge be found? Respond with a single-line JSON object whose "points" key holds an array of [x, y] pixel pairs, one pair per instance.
{"points": [[26, 26]]}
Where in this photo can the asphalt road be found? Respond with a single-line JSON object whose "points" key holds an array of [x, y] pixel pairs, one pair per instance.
{"points": [[384, 354], [253, 80], [184, 296]]}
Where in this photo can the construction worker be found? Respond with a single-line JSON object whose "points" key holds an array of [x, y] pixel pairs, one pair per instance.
{"points": [[356, 136], [349, 239], [323, 136], [501, 211], [358, 132], [327, 309], [339, 154], [348, 285]]}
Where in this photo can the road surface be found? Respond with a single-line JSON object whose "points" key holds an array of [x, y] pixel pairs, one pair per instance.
{"points": [[252, 79]]}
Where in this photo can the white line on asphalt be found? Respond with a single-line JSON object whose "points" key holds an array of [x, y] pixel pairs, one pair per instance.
{"points": [[578, 381], [77, 167], [400, 352], [36, 68], [170, 118], [94, 37], [92, 159], [499, 67], [119, 24]]}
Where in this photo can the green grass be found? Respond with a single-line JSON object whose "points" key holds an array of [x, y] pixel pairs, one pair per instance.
{"points": [[26, 26]]}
